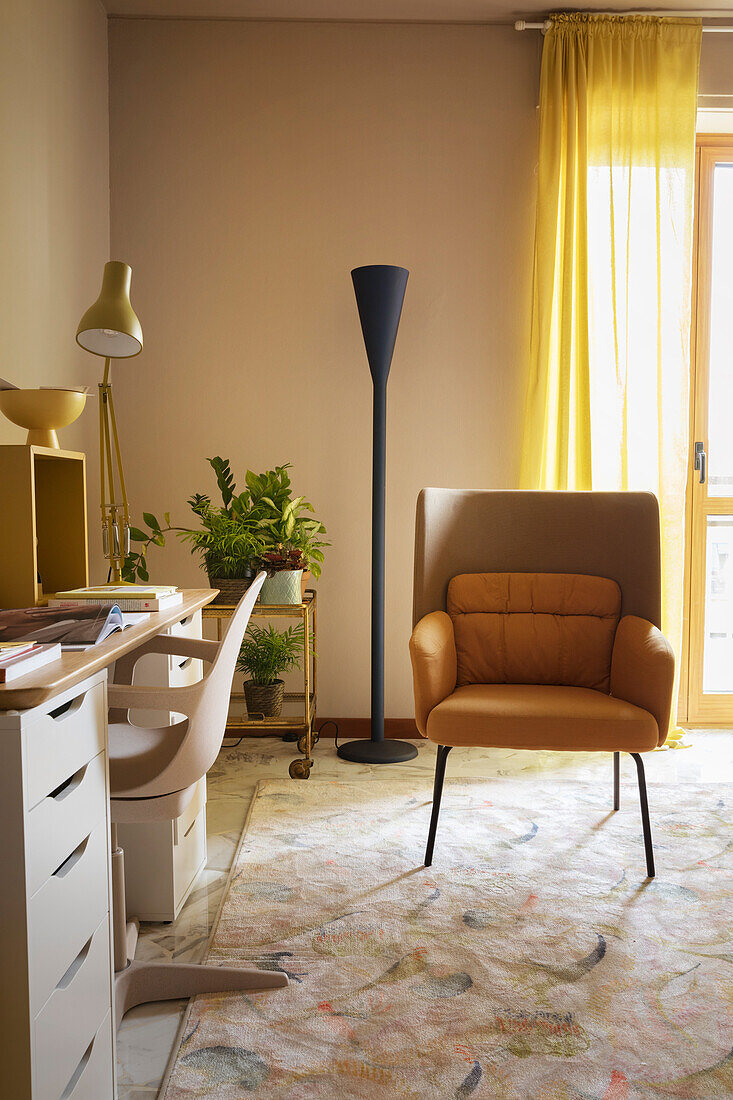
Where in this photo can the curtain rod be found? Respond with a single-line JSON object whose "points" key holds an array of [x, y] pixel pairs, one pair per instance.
{"points": [[544, 26]]}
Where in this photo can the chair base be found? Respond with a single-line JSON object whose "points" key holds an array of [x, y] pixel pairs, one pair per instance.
{"points": [[377, 752], [141, 982], [440, 763], [138, 983]]}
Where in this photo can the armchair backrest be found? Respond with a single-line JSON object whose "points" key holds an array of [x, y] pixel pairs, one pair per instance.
{"points": [[612, 535], [534, 628]]}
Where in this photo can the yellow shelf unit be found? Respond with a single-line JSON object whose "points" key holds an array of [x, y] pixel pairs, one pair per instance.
{"points": [[43, 510]]}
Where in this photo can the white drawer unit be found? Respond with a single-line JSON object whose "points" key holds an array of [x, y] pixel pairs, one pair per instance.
{"points": [[56, 1034], [164, 859], [90, 1079]]}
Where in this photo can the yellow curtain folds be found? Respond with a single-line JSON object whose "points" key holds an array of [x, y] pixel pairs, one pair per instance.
{"points": [[608, 394]]}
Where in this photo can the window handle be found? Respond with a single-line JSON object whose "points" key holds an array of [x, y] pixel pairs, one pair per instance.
{"points": [[701, 462]]}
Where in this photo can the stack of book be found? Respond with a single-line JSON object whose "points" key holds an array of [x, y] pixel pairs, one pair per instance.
{"points": [[19, 658], [128, 597]]}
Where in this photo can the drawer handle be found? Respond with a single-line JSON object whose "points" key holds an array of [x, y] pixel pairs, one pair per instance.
{"points": [[186, 663], [186, 621], [60, 714], [177, 838], [71, 861], [69, 785], [76, 966], [78, 1072]]}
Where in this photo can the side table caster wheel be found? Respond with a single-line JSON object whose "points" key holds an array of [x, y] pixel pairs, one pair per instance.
{"points": [[299, 769], [303, 744]]}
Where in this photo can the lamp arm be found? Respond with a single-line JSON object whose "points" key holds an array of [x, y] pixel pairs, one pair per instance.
{"points": [[118, 455]]}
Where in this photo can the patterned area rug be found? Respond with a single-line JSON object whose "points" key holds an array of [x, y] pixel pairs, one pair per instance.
{"points": [[533, 960]]}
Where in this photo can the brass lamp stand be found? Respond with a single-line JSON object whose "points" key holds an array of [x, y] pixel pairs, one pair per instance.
{"points": [[115, 515], [110, 328]]}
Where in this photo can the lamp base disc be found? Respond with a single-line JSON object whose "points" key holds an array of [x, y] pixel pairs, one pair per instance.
{"points": [[377, 752]]}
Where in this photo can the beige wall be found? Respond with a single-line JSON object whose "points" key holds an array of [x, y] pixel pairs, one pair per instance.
{"points": [[716, 66], [54, 195], [252, 166]]}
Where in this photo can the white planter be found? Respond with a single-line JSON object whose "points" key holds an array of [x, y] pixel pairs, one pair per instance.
{"points": [[282, 588]]}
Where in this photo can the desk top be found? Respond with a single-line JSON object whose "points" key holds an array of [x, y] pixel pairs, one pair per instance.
{"points": [[76, 665]]}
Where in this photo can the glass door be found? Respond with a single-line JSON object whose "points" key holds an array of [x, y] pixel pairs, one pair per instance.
{"points": [[710, 492]]}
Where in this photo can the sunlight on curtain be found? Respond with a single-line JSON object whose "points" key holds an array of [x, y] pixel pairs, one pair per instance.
{"points": [[607, 402]]}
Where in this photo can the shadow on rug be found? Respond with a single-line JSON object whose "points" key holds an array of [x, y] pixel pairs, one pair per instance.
{"points": [[532, 960]]}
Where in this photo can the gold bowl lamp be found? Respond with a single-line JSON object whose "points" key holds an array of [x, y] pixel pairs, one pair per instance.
{"points": [[41, 412]]}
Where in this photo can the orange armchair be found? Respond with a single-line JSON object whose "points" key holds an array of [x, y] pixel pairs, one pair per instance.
{"points": [[536, 627]]}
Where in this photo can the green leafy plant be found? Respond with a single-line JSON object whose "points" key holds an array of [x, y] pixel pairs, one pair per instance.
{"points": [[267, 652], [236, 536], [136, 564], [285, 523]]}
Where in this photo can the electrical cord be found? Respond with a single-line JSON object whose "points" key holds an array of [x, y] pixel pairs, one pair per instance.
{"points": [[335, 725]]}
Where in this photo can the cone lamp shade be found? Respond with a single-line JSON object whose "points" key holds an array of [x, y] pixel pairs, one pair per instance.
{"points": [[380, 292], [110, 327]]}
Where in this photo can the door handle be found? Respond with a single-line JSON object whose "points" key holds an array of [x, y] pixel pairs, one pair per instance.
{"points": [[701, 462]]}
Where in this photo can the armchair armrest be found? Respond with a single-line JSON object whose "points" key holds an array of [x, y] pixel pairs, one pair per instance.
{"points": [[434, 664], [642, 669]]}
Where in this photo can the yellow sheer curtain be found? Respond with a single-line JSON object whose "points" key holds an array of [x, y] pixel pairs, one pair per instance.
{"points": [[607, 402]]}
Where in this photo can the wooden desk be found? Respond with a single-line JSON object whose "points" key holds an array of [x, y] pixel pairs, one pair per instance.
{"points": [[57, 1023], [77, 665]]}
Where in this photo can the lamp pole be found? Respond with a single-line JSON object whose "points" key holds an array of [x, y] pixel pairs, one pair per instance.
{"points": [[380, 292]]}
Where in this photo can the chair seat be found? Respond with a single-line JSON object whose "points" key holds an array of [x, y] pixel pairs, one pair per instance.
{"points": [[529, 716], [138, 755]]}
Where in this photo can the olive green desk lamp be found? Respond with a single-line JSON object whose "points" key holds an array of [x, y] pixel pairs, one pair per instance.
{"points": [[110, 328]]}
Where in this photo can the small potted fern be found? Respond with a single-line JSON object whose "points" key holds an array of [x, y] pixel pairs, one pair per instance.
{"points": [[266, 653]]}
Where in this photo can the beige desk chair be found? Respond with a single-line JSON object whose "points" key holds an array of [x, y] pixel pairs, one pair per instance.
{"points": [[153, 776]]}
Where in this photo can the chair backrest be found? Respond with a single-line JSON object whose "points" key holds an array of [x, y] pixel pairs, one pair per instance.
{"points": [[613, 535], [534, 628], [208, 716]]}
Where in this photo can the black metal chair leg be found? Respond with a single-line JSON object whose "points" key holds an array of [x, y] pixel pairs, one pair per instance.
{"points": [[616, 780], [440, 760], [645, 815]]}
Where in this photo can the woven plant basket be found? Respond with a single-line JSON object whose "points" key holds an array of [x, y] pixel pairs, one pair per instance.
{"points": [[231, 589], [264, 701]]}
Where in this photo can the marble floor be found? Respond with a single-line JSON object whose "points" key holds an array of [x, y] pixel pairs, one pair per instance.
{"points": [[148, 1033]]}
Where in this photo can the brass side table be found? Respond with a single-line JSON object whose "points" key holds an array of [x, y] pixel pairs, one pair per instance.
{"points": [[303, 719]]}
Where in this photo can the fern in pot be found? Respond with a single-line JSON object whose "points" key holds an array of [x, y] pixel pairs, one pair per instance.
{"points": [[266, 653]]}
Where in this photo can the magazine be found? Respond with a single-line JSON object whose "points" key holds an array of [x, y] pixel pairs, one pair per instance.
{"points": [[73, 627]]}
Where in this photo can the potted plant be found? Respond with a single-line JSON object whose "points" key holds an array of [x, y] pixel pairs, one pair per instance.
{"points": [[228, 541], [285, 572], [293, 546], [261, 527], [266, 653]]}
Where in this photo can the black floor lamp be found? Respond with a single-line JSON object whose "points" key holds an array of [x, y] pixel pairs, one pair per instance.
{"points": [[380, 292]]}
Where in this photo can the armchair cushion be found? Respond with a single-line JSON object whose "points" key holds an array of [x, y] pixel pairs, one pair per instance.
{"points": [[534, 628], [642, 669], [528, 716]]}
